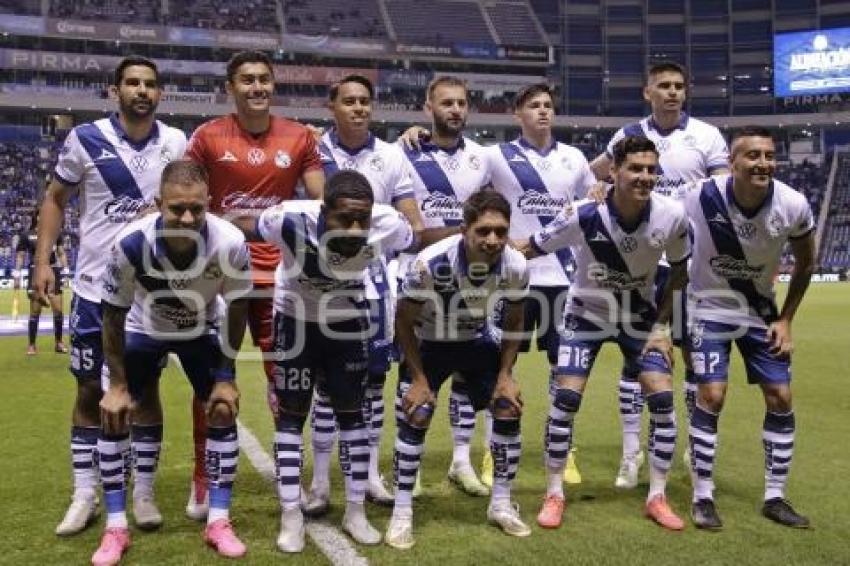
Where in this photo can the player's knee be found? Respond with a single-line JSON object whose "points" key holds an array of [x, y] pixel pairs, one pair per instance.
{"points": [[778, 400], [567, 400], [148, 408], [221, 415], [504, 409], [711, 398], [660, 401], [288, 421]]}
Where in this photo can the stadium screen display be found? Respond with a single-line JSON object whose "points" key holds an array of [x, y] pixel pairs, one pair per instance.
{"points": [[811, 62]]}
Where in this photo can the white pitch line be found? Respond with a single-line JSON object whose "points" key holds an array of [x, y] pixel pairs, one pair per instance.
{"points": [[330, 541]]}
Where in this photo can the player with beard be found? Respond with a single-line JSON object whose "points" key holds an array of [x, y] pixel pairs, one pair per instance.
{"points": [[350, 145], [114, 166], [254, 161], [690, 150], [741, 223], [446, 168]]}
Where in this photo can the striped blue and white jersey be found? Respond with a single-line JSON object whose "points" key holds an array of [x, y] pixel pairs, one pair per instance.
{"points": [[539, 184], [690, 151], [458, 297], [169, 303], [737, 252], [116, 177], [616, 264], [313, 283]]}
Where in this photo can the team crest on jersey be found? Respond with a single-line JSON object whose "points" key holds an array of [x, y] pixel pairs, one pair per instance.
{"points": [[282, 159], [165, 156], [139, 163], [656, 239], [746, 230], [452, 164], [775, 225], [256, 156], [628, 244], [474, 162], [570, 327], [566, 163], [376, 163], [696, 331]]}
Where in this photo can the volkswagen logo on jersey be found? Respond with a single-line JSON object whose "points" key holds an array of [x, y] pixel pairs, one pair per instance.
{"points": [[256, 156], [453, 164], [179, 284], [282, 159], [349, 163], [746, 230], [139, 163], [628, 244], [662, 145], [544, 165]]}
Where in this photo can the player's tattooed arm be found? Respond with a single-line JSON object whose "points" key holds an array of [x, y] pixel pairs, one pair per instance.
{"points": [[116, 403], [779, 333]]}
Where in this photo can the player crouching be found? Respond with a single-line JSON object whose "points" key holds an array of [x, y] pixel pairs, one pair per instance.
{"points": [[163, 281]]}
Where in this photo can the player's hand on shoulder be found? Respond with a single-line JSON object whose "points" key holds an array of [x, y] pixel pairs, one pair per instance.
{"points": [[597, 192], [414, 136], [315, 131]]}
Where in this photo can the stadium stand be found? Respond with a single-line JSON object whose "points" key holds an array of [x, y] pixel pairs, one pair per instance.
{"points": [[441, 22], [123, 11], [835, 242], [515, 23], [334, 17], [23, 7], [253, 15]]}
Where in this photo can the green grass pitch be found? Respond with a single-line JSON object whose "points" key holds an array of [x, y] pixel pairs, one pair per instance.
{"points": [[602, 525]]}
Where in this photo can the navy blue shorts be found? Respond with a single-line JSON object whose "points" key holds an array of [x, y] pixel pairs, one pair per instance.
{"points": [[581, 341], [544, 313], [144, 358], [86, 323], [710, 344], [476, 361], [305, 353]]}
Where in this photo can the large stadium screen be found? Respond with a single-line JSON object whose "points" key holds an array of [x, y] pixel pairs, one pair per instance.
{"points": [[811, 62]]}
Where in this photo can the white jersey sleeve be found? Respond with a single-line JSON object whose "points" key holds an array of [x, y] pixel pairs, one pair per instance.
{"points": [[805, 222], [678, 248], [237, 280], [270, 224], [562, 232], [418, 283], [717, 152], [395, 234], [71, 164], [618, 135], [119, 279]]}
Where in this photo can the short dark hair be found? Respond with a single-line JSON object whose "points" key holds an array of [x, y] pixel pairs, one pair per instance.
{"points": [[347, 184], [528, 92], [667, 67], [752, 131], [133, 61], [359, 79], [183, 172], [632, 144], [249, 56], [482, 201], [446, 80]]}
